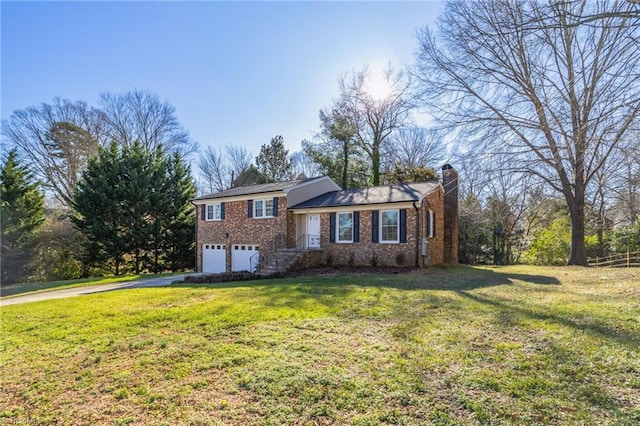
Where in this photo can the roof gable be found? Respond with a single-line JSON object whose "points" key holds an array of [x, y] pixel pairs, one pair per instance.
{"points": [[256, 189], [399, 193]]}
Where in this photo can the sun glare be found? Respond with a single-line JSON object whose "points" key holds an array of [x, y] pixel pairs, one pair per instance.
{"points": [[377, 84]]}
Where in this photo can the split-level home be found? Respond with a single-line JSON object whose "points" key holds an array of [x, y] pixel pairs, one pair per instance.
{"points": [[274, 227]]}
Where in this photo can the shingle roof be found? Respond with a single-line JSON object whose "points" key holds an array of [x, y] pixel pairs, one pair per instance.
{"points": [[405, 192], [255, 189]]}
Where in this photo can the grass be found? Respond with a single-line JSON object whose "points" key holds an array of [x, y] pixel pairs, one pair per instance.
{"points": [[22, 288], [503, 345]]}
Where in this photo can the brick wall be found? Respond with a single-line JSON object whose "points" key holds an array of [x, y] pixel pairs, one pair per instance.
{"points": [[238, 228], [366, 253], [435, 246]]}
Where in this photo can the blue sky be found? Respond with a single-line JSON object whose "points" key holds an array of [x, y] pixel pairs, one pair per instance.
{"points": [[237, 72]]}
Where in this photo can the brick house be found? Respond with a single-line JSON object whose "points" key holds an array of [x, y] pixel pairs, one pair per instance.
{"points": [[277, 226]]}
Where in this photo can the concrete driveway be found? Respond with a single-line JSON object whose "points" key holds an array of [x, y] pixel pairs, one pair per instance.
{"points": [[79, 291]]}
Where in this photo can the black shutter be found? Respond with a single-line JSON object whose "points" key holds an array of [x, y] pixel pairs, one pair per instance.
{"points": [[221, 210], [203, 215], [403, 225], [374, 226], [428, 220], [332, 227], [250, 208], [275, 206], [356, 227]]}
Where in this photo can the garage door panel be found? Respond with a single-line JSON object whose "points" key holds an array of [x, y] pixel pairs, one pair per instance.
{"points": [[214, 258], [244, 257]]}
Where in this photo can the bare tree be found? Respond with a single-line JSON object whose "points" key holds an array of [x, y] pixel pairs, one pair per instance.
{"points": [[375, 105], [624, 186], [219, 168], [58, 139], [239, 160], [414, 146], [554, 86], [303, 165], [142, 116], [214, 170]]}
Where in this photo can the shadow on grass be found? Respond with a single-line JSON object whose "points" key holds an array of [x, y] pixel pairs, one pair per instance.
{"points": [[512, 312], [452, 278], [458, 278]]}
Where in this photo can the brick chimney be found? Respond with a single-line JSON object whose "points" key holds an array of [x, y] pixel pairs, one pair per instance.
{"points": [[450, 184]]}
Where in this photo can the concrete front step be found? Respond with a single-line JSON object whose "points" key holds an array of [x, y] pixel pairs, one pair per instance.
{"points": [[281, 261]]}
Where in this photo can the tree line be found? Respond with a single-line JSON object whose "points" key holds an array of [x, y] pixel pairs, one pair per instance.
{"points": [[118, 184], [548, 95], [537, 104]]}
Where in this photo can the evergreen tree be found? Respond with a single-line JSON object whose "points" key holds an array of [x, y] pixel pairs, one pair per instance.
{"points": [[134, 204], [21, 213], [406, 174], [158, 202], [137, 173], [179, 216], [102, 206], [251, 176], [273, 161]]}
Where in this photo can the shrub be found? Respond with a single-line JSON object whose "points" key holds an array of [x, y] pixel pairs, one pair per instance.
{"points": [[328, 260], [552, 245], [222, 278]]}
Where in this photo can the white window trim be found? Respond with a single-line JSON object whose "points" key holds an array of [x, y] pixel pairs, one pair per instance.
{"points": [[213, 215], [432, 224], [397, 240], [264, 208], [338, 240]]}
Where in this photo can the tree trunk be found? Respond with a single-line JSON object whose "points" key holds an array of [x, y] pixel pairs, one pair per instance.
{"points": [[578, 249], [375, 166]]}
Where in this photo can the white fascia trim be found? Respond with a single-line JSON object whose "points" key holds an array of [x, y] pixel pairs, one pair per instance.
{"points": [[257, 195], [356, 208]]}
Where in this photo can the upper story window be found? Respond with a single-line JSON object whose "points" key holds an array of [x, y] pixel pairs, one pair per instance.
{"points": [[345, 228], [263, 208], [389, 226], [215, 212]]}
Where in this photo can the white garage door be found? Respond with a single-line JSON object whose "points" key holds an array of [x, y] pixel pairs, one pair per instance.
{"points": [[244, 257], [214, 258]]}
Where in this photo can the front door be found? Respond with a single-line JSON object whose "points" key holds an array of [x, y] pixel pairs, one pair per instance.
{"points": [[313, 231]]}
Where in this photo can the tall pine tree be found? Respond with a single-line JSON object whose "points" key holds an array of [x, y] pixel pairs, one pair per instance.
{"points": [[100, 201], [273, 161], [21, 213], [133, 206], [179, 235]]}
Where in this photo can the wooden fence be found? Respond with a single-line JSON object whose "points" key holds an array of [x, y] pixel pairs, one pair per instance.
{"points": [[617, 260]]}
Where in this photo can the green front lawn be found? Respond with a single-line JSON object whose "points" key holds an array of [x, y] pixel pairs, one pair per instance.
{"points": [[504, 345]]}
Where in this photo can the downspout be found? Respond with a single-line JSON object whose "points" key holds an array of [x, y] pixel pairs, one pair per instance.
{"points": [[417, 235]]}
